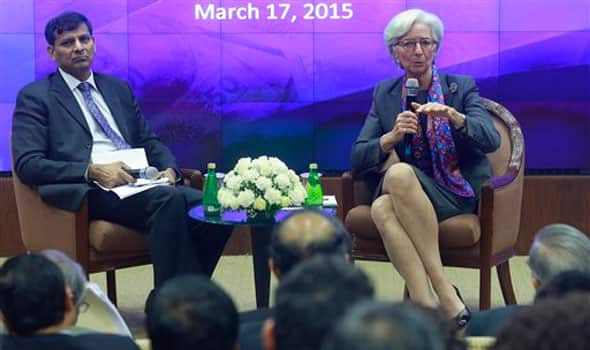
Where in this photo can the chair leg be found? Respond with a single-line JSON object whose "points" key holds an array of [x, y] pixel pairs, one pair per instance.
{"points": [[112, 286], [503, 270], [485, 287]]}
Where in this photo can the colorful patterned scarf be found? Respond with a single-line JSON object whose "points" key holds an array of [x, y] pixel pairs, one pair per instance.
{"points": [[438, 139]]}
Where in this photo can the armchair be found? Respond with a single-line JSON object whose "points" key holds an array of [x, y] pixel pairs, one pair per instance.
{"points": [[481, 240], [97, 245]]}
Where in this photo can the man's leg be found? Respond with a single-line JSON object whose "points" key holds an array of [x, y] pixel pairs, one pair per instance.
{"points": [[209, 239]]}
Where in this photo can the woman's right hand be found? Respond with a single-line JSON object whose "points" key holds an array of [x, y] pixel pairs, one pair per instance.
{"points": [[405, 123]]}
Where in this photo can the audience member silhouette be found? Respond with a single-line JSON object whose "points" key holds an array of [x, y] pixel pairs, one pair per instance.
{"points": [[38, 309], [310, 301], [192, 312]]}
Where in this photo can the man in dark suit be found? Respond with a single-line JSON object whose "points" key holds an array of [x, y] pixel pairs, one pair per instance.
{"points": [[63, 122], [38, 309]]}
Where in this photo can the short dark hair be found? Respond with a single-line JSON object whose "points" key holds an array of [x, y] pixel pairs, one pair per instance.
{"points": [[32, 293], [312, 298], [65, 22], [192, 312], [564, 283], [288, 253], [373, 325], [550, 324]]}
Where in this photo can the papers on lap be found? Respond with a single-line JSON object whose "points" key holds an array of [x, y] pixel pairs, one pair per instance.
{"points": [[135, 158]]}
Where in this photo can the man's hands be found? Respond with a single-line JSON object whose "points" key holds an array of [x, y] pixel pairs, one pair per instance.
{"points": [[170, 174], [110, 175]]}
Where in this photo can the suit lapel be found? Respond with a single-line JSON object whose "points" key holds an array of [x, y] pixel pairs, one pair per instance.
{"points": [[449, 90], [65, 97], [393, 106], [114, 104]]}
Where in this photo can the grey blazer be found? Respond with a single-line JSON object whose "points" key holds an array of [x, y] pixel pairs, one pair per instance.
{"points": [[51, 141], [479, 136]]}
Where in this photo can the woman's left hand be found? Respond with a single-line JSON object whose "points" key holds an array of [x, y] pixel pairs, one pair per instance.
{"points": [[432, 109]]}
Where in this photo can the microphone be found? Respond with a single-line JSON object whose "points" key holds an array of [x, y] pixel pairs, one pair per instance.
{"points": [[411, 96], [148, 173]]}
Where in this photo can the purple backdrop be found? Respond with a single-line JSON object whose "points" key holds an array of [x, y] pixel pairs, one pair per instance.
{"points": [[218, 90]]}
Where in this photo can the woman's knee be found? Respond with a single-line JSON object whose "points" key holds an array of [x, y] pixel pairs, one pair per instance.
{"points": [[399, 179], [381, 208]]}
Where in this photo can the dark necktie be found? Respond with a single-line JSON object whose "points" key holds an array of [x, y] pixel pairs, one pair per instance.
{"points": [[118, 141]]}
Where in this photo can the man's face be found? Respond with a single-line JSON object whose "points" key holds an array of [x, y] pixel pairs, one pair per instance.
{"points": [[73, 51]]}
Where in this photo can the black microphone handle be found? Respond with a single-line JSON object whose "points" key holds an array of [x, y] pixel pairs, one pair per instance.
{"points": [[409, 137]]}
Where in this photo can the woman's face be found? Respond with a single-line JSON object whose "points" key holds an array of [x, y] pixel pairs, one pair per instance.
{"points": [[416, 50]]}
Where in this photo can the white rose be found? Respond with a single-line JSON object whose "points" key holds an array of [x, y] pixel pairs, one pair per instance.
{"points": [[243, 165], [293, 177], [262, 183], [273, 196], [285, 201], [233, 182], [277, 165], [297, 195], [246, 198], [251, 175], [223, 196], [233, 203], [259, 204], [283, 182]]}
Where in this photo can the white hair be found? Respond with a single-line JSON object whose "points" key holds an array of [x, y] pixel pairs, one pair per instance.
{"points": [[401, 23]]}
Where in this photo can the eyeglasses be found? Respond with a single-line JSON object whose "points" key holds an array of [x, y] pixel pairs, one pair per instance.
{"points": [[83, 307], [410, 44]]}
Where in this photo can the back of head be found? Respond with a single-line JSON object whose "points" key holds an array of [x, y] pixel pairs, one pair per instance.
{"points": [[312, 298], [564, 283], [550, 324], [32, 294], [558, 248], [305, 234], [192, 312], [73, 273], [373, 325]]}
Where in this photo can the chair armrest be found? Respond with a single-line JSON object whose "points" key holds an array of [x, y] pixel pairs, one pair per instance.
{"points": [[43, 226], [193, 178]]}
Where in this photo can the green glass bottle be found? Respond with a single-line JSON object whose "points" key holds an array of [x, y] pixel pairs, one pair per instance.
{"points": [[211, 204], [315, 195]]}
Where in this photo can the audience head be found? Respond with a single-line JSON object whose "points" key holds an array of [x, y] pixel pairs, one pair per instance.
{"points": [[311, 299], [304, 234], [192, 312], [564, 283], [558, 248], [373, 325], [33, 296], [65, 22], [74, 275], [550, 324]]}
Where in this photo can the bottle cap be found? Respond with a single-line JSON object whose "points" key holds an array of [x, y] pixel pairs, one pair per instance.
{"points": [[211, 166], [313, 166]]}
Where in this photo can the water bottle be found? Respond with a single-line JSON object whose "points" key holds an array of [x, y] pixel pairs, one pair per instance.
{"points": [[315, 195], [211, 205]]}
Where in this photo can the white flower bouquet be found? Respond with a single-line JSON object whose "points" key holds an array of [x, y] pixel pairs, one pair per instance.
{"points": [[263, 185]]}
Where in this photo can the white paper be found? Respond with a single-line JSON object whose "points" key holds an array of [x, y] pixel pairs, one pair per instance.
{"points": [[125, 191], [135, 158], [329, 201]]}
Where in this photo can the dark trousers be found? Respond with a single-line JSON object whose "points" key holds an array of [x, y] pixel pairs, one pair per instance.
{"points": [[178, 244]]}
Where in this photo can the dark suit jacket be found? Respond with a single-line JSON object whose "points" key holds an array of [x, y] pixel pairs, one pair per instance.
{"points": [[51, 141], [251, 324], [88, 341], [479, 137]]}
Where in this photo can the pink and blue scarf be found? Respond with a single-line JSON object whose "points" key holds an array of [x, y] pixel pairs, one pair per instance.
{"points": [[438, 139]]}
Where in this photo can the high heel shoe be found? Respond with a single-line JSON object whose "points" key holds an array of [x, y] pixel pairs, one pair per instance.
{"points": [[464, 316]]}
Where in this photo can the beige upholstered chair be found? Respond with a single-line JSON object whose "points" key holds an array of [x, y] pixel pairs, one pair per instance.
{"points": [[479, 241], [97, 245]]}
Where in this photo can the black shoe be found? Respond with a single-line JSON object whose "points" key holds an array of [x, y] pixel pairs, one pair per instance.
{"points": [[462, 318]]}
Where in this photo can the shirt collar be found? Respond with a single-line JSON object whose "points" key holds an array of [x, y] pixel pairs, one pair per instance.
{"points": [[73, 82]]}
